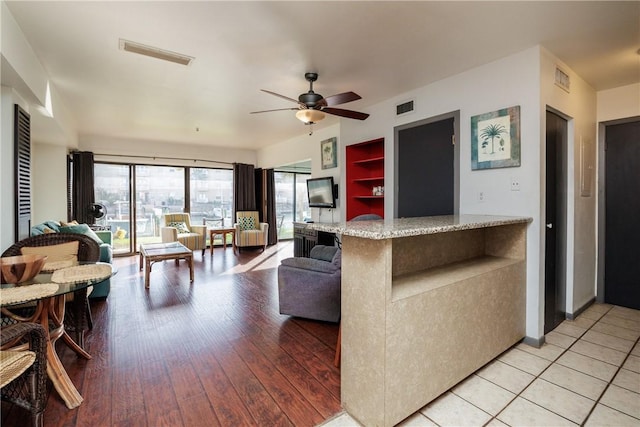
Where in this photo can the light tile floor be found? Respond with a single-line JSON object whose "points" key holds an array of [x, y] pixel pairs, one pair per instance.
{"points": [[587, 373]]}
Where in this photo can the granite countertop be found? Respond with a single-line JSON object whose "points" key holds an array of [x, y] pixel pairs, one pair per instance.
{"points": [[405, 227]]}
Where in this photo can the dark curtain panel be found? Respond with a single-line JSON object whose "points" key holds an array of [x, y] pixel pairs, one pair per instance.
{"points": [[244, 188], [270, 204], [82, 188], [260, 193]]}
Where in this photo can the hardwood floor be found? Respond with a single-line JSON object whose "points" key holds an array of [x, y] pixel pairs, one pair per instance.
{"points": [[215, 352]]}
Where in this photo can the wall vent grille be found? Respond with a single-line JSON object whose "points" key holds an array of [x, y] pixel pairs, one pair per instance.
{"points": [[155, 52], [405, 107]]}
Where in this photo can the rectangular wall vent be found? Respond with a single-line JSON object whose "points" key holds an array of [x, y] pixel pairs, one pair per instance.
{"points": [[155, 52], [562, 79], [404, 108]]}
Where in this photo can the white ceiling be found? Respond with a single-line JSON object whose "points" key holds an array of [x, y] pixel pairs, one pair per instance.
{"points": [[376, 49]]}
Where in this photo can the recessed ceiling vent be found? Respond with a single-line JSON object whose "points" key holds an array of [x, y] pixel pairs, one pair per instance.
{"points": [[155, 52], [404, 108]]}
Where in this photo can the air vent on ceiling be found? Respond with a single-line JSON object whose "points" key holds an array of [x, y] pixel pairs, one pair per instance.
{"points": [[155, 52], [405, 107]]}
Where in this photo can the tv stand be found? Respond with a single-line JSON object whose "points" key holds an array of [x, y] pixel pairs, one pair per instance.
{"points": [[304, 239]]}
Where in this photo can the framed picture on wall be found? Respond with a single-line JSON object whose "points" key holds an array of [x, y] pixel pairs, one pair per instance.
{"points": [[495, 139], [329, 153]]}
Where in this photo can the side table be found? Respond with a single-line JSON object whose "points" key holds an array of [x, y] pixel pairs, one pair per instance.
{"points": [[223, 231]]}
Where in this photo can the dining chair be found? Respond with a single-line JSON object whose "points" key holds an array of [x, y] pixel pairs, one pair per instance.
{"points": [[23, 367], [78, 312]]}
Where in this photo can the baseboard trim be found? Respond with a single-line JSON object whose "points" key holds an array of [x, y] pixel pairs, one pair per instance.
{"points": [[534, 342], [578, 312]]}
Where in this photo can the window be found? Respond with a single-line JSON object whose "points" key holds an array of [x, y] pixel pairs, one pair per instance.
{"points": [[292, 204], [146, 192]]}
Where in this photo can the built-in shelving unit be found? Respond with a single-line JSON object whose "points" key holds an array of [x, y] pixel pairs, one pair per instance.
{"points": [[365, 170]]}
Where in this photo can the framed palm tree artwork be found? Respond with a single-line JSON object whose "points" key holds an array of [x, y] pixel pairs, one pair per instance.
{"points": [[495, 139], [328, 151]]}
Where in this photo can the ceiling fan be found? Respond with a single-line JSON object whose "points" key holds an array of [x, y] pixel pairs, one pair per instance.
{"points": [[313, 106]]}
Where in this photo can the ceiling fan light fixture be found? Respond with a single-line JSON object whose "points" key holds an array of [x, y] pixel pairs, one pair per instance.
{"points": [[310, 115]]}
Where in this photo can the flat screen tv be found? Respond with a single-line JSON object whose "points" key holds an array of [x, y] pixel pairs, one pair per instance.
{"points": [[320, 192]]}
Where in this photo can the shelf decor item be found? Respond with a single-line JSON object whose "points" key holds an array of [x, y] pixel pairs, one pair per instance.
{"points": [[329, 154], [495, 139]]}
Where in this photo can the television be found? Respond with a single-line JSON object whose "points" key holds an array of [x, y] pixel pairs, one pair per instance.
{"points": [[320, 192]]}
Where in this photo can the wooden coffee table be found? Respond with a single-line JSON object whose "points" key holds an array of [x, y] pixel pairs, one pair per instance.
{"points": [[223, 231], [154, 252]]}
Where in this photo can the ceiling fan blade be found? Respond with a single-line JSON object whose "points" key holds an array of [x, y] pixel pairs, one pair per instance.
{"points": [[284, 97], [277, 109], [341, 98], [346, 113]]}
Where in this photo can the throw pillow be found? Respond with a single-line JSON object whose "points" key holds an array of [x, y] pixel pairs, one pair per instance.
{"points": [[47, 230], [181, 226], [81, 229], [62, 252], [247, 223]]}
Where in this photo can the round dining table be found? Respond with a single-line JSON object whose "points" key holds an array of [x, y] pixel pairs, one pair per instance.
{"points": [[43, 300]]}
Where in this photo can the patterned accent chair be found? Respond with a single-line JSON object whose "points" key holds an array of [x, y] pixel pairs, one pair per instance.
{"points": [[250, 231], [177, 227]]}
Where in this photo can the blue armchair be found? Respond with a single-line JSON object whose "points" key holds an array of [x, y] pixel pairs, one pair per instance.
{"points": [[103, 238]]}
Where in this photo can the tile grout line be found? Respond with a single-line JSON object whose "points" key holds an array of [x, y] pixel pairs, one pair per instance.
{"points": [[543, 371]]}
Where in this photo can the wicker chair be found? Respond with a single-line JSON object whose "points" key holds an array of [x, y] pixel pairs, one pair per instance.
{"points": [[23, 376], [78, 313]]}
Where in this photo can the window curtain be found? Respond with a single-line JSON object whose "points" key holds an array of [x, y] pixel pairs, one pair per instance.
{"points": [[270, 204], [83, 193], [244, 188]]}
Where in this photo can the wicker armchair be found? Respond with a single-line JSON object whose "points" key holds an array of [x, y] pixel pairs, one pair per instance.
{"points": [[78, 313], [23, 376]]}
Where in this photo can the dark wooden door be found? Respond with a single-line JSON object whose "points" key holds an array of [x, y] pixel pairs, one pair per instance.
{"points": [[554, 194], [622, 215], [425, 170]]}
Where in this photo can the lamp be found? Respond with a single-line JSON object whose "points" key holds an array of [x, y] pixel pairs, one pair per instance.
{"points": [[309, 115]]}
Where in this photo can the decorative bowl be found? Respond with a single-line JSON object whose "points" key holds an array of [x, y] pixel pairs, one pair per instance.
{"points": [[19, 269]]}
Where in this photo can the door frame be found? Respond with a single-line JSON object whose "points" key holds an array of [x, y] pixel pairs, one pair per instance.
{"points": [[601, 202], [455, 115]]}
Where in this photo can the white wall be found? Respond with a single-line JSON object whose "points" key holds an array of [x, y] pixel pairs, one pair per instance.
{"points": [[307, 147], [619, 103], [125, 150], [49, 182]]}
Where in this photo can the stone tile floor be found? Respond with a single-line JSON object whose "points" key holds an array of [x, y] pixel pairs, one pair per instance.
{"points": [[587, 373]]}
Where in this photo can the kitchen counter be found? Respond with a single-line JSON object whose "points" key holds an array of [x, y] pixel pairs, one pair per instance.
{"points": [[425, 303]]}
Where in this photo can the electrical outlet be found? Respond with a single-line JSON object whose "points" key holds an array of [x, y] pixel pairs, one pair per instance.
{"points": [[481, 196], [515, 184]]}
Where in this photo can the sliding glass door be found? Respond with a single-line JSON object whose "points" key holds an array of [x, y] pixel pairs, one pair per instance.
{"points": [[147, 192], [113, 190], [292, 204], [159, 190]]}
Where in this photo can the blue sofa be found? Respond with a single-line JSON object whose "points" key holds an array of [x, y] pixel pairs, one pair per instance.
{"points": [[104, 238]]}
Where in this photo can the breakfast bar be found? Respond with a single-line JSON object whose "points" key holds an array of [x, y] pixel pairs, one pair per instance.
{"points": [[425, 303]]}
